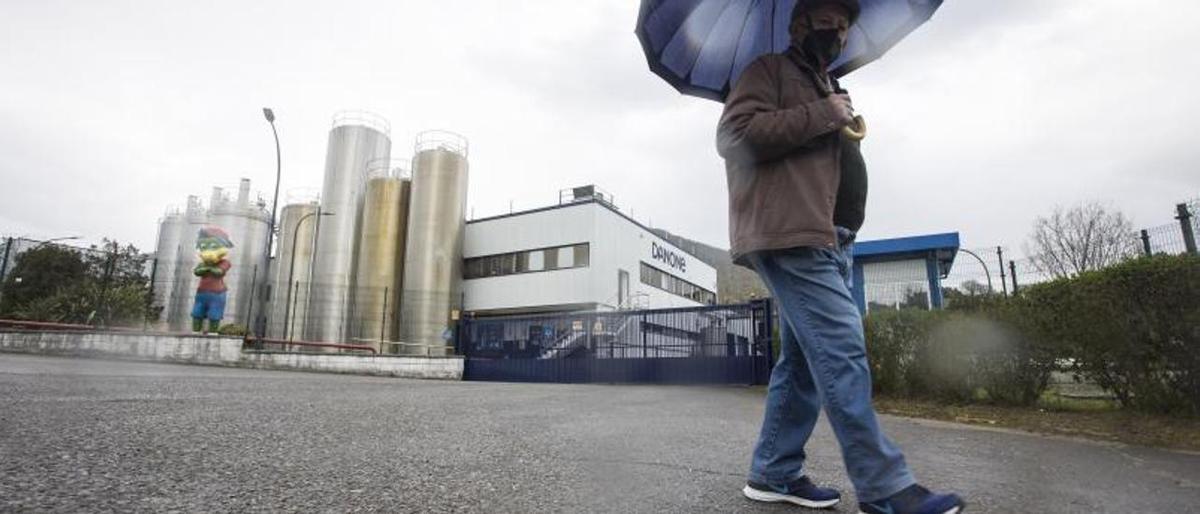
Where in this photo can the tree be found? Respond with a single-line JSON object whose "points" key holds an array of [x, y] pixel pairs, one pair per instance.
{"points": [[974, 288], [105, 285], [1085, 237], [40, 272]]}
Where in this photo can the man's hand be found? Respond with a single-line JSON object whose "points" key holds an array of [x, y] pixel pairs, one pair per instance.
{"points": [[841, 110]]}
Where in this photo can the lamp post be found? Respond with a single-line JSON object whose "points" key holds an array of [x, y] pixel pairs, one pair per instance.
{"points": [[262, 321], [985, 268], [287, 307]]}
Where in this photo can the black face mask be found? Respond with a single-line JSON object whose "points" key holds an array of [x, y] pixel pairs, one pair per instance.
{"points": [[823, 44]]}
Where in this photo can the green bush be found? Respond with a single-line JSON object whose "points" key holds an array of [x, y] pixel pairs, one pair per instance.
{"points": [[1133, 328], [232, 329], [891, 338], [956, 357]]}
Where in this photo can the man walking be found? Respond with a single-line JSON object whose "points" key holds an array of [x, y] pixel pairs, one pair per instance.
{"points": [[797, 192]]}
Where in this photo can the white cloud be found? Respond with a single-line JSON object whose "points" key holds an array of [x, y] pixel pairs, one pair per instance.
{"points": [[991, 114]]}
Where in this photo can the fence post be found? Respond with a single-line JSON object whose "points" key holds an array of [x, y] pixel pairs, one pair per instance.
{"points": [[643, 331], [108, 273], [290, 309], [1003, 282], [250, 311], [1012, 266], [1146, 243], [1185, 224], [383, 319], [149, 295], [4, 263]]}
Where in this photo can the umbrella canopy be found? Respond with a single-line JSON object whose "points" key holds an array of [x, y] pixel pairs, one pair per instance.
{"points": [[701, 47]]}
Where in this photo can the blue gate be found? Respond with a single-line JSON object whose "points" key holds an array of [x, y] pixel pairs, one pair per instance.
{"points": [[724, 344]]}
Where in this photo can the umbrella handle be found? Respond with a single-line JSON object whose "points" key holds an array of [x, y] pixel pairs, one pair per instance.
{"points": [[857, 130]]}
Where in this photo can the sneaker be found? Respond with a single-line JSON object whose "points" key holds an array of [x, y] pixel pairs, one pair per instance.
{"points": [[915, 500], [801, 492]]}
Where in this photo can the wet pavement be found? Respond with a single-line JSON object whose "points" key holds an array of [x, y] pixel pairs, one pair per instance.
{"points": [[87, 435]]}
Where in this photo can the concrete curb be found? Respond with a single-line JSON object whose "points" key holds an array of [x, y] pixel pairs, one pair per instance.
{"points": [[220, 351]]}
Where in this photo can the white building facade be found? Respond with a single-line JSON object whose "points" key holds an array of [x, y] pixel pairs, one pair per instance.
{"points": [[581, 255]]}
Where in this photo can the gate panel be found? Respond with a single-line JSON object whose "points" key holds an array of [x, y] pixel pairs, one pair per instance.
{"points": [[728, 344]]}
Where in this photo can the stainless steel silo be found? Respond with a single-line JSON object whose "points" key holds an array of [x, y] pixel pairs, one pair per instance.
{"points": [[297, 240], [380, 267], [183, 290], [166, 258], [436, 224], [355, 140], [247, 222]]}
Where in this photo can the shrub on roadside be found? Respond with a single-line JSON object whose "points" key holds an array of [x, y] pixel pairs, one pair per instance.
{"points": [[956, 357], [1133, 328], [232, 329]]}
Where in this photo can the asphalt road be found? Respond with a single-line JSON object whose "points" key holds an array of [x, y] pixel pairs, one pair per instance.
{"points": [[85, 435]]}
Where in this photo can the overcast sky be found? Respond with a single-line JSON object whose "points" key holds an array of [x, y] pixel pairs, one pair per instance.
{"points": [[989, 115]]}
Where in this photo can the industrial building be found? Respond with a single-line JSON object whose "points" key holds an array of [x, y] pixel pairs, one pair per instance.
{"points": [[582, 254], [385, 256], [377, 259]]}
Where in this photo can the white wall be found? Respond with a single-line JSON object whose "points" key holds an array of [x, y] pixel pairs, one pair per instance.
{"points": [[625, 246], [220, 351], [556, 227], [616, 243]]}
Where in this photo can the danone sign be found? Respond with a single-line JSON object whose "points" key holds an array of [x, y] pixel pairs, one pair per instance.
{"points": [[667, 256]]}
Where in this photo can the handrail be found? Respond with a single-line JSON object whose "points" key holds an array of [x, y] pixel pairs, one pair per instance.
{"points": [[17, 323], [46, 325], [308, 344]]}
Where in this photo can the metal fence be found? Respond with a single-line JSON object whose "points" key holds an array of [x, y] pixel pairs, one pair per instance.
{"points": [[51, 281], [714, 344], [1003, 269]]}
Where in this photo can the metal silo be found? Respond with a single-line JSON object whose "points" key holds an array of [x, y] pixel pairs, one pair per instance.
{"points": [[247, 223], [355, 140], [381, 246], [297, 240], [436, 224], [183, 290], [166, 259]]}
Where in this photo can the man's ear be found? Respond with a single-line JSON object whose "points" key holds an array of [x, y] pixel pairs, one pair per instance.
{"points": [[797, 26]]}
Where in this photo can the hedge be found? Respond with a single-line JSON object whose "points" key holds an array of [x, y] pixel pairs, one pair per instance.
{"points": [[1133, 328]]}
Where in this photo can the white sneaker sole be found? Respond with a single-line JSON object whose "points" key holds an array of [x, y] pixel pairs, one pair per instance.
{"points": [[769, 497], [955, 510]]}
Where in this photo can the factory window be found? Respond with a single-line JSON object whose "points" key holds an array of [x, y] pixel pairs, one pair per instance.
{"points": [[536, 261], [566, 257], [659, 279], [530, 261], [508, 264], [583, 255]]}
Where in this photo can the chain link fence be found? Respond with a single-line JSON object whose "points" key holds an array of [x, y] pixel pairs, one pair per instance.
{"points": [[102, 285]]}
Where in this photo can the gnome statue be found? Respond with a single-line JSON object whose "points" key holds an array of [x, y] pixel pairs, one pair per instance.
{"points": [[214, 245]]}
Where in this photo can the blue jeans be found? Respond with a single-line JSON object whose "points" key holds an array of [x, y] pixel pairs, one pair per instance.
{"points": [[209, 305], [822, 362]]}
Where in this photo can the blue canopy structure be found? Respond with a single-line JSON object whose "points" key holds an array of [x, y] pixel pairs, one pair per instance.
{"points": [[937, 251], [701, 47]]}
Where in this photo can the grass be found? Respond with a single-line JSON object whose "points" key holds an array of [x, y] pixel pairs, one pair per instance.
{"points": [[1092, 418]]}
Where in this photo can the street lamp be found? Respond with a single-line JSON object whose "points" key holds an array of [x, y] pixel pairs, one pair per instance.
{"points": [[270, 116], [985, 268], [287, 307]]}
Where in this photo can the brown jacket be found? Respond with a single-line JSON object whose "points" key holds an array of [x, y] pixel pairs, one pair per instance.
{"points": [[780, 142]]}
